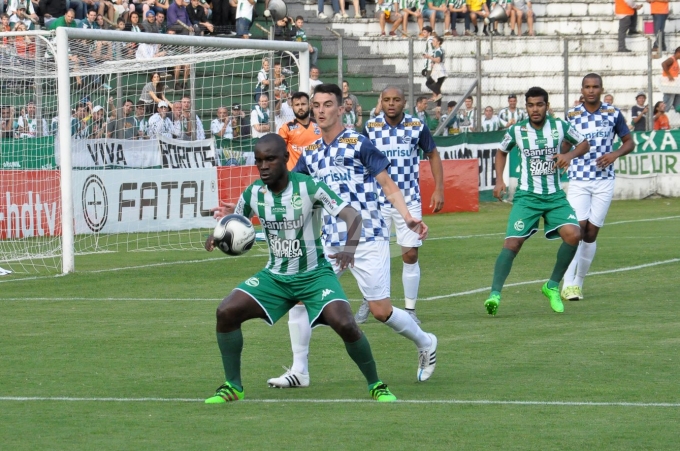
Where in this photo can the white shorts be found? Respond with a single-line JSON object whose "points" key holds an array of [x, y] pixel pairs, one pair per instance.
{"points": [[591, 199], [371, 268], [405, 236]]}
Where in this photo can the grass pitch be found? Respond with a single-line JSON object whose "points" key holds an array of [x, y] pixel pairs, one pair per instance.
{"points": [[120, 355]]}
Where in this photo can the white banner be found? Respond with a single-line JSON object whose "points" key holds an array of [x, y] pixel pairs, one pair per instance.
{"points": [[144, 200], [188, 154], [141, 153]]}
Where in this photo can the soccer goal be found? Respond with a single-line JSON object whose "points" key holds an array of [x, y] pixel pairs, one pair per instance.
{"points": [[122, 142]]}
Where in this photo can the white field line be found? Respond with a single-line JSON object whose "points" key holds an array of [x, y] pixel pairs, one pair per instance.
{"points": [[431, 298], [262, 253], [355, 401]]}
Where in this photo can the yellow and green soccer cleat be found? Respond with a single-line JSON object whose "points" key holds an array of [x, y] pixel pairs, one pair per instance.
{"points": [[224, 394], [491, 304], [553, 295], [572, 293], [381, 393]]}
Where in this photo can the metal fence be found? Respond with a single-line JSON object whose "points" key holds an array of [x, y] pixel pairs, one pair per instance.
{"points": [[500, 66]]}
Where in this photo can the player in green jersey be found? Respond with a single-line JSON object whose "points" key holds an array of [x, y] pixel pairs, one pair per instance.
{"points": [[544, 144], [289, 206]]}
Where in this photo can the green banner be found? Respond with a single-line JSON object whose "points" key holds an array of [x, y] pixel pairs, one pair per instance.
{"points": [[27, 153], [655, 152]]}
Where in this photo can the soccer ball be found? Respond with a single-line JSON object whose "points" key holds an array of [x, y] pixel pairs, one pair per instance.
{"points": [[234, 234]]}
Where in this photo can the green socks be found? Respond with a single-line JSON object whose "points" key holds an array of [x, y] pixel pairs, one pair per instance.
{"points": [[231, 345], [565, 255], [360, 352], [502, 270]]}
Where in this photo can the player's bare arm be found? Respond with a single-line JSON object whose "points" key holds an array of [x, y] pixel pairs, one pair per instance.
{"points": [[345, 258], [562, 160], [627, 146], [225, 208], [499, 190], [437, 200], [396, 198]]}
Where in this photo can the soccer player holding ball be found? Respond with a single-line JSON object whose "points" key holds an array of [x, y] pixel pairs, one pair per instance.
{"points": [[289, 207], [544, 145]]}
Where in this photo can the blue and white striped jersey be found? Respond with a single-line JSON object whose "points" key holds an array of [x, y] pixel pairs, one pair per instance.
{"points": [[599, 128], [348, 165], [400, 145]]}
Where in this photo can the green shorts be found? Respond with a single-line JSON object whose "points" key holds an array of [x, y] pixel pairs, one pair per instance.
{"points": [[277, 294], [528, 208]]}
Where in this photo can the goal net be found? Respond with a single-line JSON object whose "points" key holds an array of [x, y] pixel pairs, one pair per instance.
{"points": [[120, 142]]}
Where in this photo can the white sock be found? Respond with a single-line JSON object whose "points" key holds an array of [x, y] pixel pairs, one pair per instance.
{"points": [[300, 334], [410, 277], [402, 323], [571, 270], [585, 260]]}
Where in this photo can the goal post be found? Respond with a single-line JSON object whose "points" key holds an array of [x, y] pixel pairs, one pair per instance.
{"points": [[176, 179]]}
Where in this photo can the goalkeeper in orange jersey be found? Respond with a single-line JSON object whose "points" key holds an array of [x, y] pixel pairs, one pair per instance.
{"points": [[300, 132]]}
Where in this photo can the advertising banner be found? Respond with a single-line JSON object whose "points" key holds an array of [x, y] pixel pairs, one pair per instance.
{"points": [[30, 204], [145, 200]]}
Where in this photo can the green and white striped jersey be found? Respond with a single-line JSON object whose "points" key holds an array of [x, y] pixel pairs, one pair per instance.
{"points": [[506, 115], [537, 172], [292, 221], [457, 4], [408, 4]]}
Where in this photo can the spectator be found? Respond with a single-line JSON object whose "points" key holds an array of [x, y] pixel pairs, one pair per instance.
{"points": [[490, 122], [511, 115], [336, 9], [5, 27], [259, 117], [357, 8], [152, 92], [51, 10], [103, 25], [186, 68], [452, 127], [383, 11], [148, 51], [160, 21], [356, 106], [244, 18], [283, 111], [199, 18], [301, 36], [522, 9], [134, 22], [349, 119], [121, 9], [141, 123], [476, 9], [467, 116], [176, 116], [626, 12], [90, 22], [411, 8], [224, 15], [437, 10], [80, 128], [660, 118], [8, 125], [280, 82], [509, 11], [27, 124], [262, 79], [98, 123], [177, 12], [639, 113], [420, 110], [119, 49], [578, 101], [24, 45], [221, 126], [80, 7], [160, 124], [313, 79], [457, 9], [608, 98], [660, 11], [67, 20], [438, 75], [188, 126], [427, 34], [121, 125], [141, 7], [22, 11], [671, 70], [240, 122], [377, 110], [150, 25]]}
